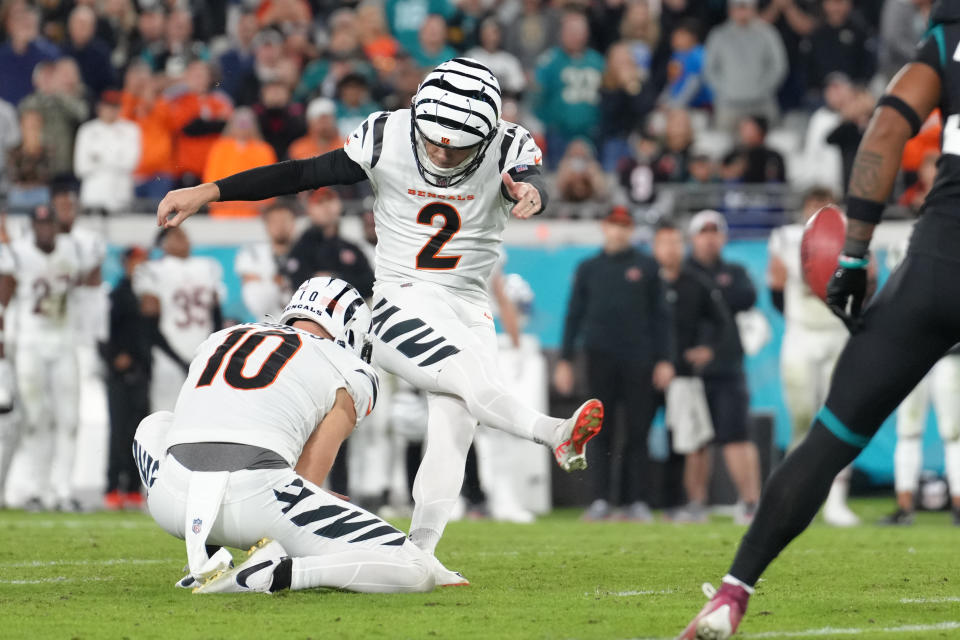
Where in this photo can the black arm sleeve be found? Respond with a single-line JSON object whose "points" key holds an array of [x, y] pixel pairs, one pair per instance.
{"points": [[533, 177], [158, 339], [776, 296], [930, 53], [291, 176]]}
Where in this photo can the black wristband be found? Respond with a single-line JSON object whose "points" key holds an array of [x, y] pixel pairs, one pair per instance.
{"points": [[904, 110], [864, 210]]}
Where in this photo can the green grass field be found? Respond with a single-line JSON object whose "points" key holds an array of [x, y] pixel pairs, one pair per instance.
{"points": [[111, 575]]}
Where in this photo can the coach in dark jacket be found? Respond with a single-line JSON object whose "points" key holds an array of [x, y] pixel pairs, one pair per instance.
{"points": [[321, 250], [618, 315], [723, 378], [128, 362]]}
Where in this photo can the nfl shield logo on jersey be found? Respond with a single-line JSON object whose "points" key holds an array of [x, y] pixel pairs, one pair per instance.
{"points": [[197, 523]]}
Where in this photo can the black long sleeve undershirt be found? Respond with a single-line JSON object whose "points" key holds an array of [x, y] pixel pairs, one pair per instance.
{"points": [[291, 176]]}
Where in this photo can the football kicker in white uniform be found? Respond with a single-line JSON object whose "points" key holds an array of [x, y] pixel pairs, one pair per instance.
{"points": [[39, 273], [447, 173], [256, 429], [182, 292], [812, 340]]}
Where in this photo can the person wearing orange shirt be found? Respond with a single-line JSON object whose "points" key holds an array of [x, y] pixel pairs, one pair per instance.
{"points": [[322, 134], [240, 148], [142, 104], [197, 116]]}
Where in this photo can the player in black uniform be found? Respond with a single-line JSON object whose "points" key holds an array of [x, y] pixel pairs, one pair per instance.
{"points": [[911, 323]]}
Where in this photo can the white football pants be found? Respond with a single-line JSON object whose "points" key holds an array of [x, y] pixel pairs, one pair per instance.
{"points": [[942, 384], [49, 391], [332, 542], [807, 359], [447, 346]]}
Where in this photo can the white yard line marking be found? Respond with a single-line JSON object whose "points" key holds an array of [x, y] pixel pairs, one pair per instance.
{"points": [[627, 594], [831, 631], [57, 579], [80, 523], [929, 600], [81, 563]]}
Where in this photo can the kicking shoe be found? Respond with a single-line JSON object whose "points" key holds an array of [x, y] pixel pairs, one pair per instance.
{"points": [[577, 430], [253, 574], [720, 617], [443, 577], [838, 514], [899, 518], [598, 511], [113, 501]]}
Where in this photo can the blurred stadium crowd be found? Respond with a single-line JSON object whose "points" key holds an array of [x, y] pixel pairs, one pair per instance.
{"points": [[626, 97]]}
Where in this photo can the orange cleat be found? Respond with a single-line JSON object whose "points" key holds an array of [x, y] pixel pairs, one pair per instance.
{"points": [[113, 501], [133, 500]]}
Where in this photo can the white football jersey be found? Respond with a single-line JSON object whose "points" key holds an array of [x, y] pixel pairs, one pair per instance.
{"points": [[269, 386], [187, 289], [42, 301], [801, 307], [90, 302], [448, 236], [258, 268]]}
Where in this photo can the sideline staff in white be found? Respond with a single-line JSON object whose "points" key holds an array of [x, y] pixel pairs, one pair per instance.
{"points": [[243, 457]]}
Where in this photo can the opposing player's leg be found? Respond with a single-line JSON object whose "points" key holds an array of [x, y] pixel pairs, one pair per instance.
{"points": [[910, 325], [425, 335], [66, 385], [946, 401]]}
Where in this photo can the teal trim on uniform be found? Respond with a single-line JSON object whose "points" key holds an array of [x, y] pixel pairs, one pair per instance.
{"points": [[837, 428], [937, 32], [849, 262]]}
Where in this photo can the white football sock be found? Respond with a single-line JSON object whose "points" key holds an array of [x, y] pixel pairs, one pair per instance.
{"points": [[478, 381], [907, 460], [436, 489], [364, 570], [729, 579]]}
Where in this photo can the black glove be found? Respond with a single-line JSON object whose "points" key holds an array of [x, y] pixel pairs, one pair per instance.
{"points": [[847, 289]]}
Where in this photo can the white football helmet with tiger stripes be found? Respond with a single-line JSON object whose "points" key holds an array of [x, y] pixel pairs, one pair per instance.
{"points": [[336, 306], [456, 106]]}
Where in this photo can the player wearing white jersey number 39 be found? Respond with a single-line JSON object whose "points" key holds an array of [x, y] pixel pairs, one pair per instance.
{"points": [[447, 173], [256, 428]]}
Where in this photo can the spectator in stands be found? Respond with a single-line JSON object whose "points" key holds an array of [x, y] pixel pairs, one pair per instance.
{"points": [[625, 100], [405, 17], [144, 106], [432, 47], [671, 165], [795, 20], [321, 250], [533, 32], [579, 176], [745, 65], [281, 121], [179, 49], [919, 146], [322, 134], [22, 51], [819, 163], [504, 65], [752, 161], [636, 172], [379, 47], [284, 13], [846, 137], [402, 84], [641, 31], [148, 42], [62, 110], [463, 30], [268, 52], [9, 138], [105, 155], [92, 54], [618, 315], [117, 27], [902, 25], [842, 42], [723, 377], [29, 164], [701, 169], [237, 61], [914, 197], [129, 362], [198, 116], [353, 103], [240, 148], [686, 86], [569, 78]]}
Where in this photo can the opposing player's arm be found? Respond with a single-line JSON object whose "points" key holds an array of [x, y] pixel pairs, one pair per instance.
{"points": [[322, 446], [281, 178], [912, 94]]}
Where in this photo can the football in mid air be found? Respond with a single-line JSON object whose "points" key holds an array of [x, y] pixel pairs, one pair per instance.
{"points": [[823, 238]]}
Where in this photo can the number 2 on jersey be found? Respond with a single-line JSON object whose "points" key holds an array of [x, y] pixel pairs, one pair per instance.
{"points": [[428, 258], [269, 370]]}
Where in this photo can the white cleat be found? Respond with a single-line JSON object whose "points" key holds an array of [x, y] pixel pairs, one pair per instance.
{"points": [[838, 514], [443, 577], [255, 574], [577, 431]]}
